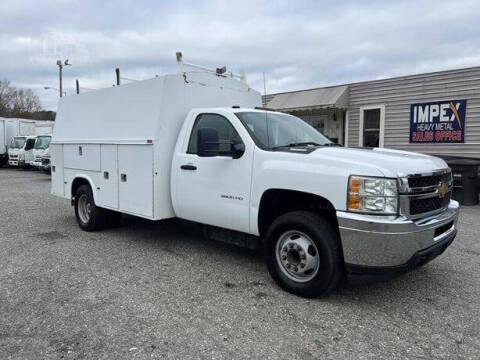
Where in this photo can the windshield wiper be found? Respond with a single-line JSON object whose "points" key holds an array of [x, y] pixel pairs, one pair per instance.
{"points": [[331, 144], [306, 143]]}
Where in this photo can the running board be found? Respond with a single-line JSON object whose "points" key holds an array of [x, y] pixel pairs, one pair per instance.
{"points": [[232, 237]]}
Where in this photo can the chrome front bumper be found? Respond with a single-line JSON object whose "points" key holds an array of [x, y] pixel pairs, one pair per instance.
{"points": [[386, 241]]}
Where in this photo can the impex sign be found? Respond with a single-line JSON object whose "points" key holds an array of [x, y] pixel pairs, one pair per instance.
{"points": [[438, 122]]}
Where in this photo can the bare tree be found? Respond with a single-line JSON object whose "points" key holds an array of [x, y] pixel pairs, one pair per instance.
{"points": [[16, 102]]}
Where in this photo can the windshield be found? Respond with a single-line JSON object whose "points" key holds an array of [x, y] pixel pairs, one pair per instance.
{"points": [[274, 130], [17, 143], [42, 142]]}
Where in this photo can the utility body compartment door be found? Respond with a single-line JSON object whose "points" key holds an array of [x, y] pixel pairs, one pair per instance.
{"points": [[135, 179], [107, 194], [82, 156], [56, 159]]}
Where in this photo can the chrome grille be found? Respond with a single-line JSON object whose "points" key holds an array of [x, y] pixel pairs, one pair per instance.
{"points": [[428, 181], [426, 205], [426, 194]]}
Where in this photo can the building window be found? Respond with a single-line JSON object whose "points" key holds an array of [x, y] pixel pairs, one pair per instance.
{"points": [[372, 120], [371, 128]]}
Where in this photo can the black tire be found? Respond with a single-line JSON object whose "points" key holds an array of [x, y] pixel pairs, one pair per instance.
{"points": [[325, 238], [97, 217]]}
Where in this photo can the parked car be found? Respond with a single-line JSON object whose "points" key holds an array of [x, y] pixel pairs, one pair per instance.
{"points": [[193, 146]]}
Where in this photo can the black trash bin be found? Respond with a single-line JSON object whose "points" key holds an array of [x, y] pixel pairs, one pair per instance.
{"points": [[465, 180]]}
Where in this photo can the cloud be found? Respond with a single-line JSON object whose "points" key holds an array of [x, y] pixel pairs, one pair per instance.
{"points": [[297, 44]]}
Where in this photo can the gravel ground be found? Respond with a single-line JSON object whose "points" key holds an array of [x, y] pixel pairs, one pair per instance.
{"points": [[159, 290]]}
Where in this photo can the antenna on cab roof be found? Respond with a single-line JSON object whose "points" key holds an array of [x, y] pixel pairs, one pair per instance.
{"points": [[217, 71]]}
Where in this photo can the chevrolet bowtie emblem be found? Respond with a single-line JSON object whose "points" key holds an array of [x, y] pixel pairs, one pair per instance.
{"points": [[442, 190]]}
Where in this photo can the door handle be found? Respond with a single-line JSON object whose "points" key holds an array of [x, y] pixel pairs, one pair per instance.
{"points": [[123, 177], [188, 167]]}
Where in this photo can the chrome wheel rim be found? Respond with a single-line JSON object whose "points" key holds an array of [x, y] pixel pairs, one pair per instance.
{"points": [[297, 256], [84, 208]]}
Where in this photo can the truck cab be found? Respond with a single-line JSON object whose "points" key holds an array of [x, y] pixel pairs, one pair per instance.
{"points": [[20, 151], [41, 150], [379, 212]]}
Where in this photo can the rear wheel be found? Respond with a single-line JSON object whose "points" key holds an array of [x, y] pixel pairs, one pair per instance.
{"points": [[303, 254], [89, 216]]}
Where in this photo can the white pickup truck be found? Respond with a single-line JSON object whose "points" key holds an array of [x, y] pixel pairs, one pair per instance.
{"points": [[193, 146]]}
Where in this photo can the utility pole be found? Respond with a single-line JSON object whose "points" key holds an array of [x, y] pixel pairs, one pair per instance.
{"points": [[60, 68], [264, 90]]}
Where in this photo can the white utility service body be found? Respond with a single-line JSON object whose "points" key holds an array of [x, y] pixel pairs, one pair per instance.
{"points": [[130, 134], [192, 146]]}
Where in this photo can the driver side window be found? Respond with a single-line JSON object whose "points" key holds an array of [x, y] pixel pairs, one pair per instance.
{"points": [[226, 132]]}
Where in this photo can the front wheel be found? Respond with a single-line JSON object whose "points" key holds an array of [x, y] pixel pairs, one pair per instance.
{"points": [[89, 216], [303, 254]]}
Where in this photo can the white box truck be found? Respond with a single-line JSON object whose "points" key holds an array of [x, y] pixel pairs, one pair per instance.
{"points": [[44, 127], [11, 128], [193, 146], [4, 141], [40, 157]]}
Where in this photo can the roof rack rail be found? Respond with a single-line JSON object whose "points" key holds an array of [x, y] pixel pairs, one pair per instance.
{"points": [[264, 108], [217, 71]]}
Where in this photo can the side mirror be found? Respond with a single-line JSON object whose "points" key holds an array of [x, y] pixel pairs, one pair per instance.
{"points": [[207, 142], [237, 150]]}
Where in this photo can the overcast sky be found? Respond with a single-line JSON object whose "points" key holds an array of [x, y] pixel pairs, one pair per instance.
{"points": [[298, 44]]}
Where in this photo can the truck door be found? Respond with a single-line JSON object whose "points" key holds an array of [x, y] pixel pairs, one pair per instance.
{"points": [[29, 144], [211, 186]]}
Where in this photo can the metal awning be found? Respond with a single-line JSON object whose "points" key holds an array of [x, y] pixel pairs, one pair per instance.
{"points": [[321, 98]]}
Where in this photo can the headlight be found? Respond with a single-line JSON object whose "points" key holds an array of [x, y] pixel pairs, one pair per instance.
{"points": [[372, 195]]}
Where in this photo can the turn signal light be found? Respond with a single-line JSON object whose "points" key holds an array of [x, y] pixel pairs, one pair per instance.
{"points": [[354, 202]]}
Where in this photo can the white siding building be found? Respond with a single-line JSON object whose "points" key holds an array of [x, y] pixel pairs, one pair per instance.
{"points": [[384, 112]]}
